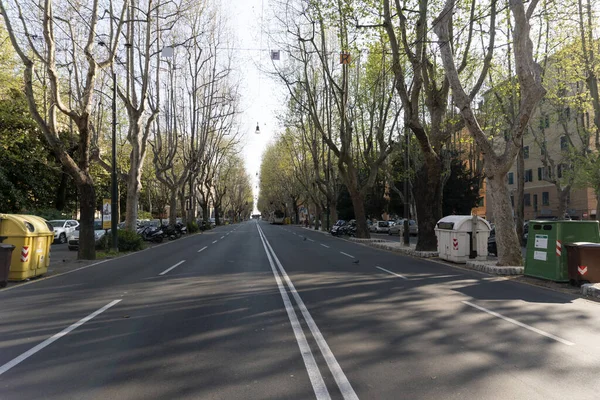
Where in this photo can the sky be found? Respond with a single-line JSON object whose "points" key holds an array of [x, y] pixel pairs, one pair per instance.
{"points": [[262, 97]]}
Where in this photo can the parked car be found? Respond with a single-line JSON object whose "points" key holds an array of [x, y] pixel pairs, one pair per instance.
{"points": [[63, 228], [98, 234], [398, 227], [382, 227]]}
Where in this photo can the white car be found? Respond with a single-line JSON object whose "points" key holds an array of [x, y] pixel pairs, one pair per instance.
{"points": [[98, 234], [63, 228]]}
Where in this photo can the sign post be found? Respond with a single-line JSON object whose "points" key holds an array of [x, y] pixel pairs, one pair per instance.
{"points": [[106, 213]]}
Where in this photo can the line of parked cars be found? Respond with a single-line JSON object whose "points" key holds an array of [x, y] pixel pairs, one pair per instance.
{"points": [[348, 228]]}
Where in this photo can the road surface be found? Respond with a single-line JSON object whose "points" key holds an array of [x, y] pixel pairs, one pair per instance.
{"points": [[255, 311]]}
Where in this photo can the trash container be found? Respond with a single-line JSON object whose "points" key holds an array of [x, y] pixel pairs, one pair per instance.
{"points": [[583, 261], [455, 238], [546, 256], [5, 255], [32, 237]]}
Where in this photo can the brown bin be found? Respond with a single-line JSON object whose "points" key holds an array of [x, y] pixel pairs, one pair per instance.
{"points": [[583, 259], [5, 256]]}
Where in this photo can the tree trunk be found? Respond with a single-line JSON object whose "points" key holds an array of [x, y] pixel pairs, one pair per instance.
{"points": [[507, 242], [61, 191], [563, 197], [134, 186], [317, 216], [520, 194], [173, 207], [182, 201], [87, 207], [598, 204], [333, 214], [358, 204], [428, 191], [217, 215]]}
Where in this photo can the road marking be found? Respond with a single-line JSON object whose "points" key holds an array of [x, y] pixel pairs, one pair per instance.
{"points": [[346, 254], [316, 379], [222, 237], [202, 249], [215, 241], [393, 273], [324, 245], [174, 266], [522, 325], [338, 374], [310, 239], [54, 338]]}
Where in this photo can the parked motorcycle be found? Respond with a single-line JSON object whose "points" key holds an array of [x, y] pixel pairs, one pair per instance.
{"points": [[151, 234]]}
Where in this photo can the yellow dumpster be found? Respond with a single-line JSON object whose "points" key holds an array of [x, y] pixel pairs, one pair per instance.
{"points": [[32, 238]]}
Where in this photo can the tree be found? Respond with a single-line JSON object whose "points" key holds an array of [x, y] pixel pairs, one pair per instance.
{"points": [[530, 90], [40, 52]]}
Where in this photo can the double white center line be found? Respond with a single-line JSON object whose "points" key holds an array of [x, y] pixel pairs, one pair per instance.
{"points": [[316, 379]]}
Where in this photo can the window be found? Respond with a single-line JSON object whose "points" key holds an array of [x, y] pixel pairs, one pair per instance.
{"points": [[529, 175], [481, 202], [549, 172], [535, 202], [545, 198], [526, 152], [559, 168], [527, 199], [511, 178], [543, 149], [512, 201], [540, 176], [564, 143]]}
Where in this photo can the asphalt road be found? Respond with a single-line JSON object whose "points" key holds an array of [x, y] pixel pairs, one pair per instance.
{"points": [[255, 311]]}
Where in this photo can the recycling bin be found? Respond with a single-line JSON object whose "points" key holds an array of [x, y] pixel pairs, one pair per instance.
{"points": [[583, 261], [455, 237], [32, 237], [5, 256], [546, 256]]}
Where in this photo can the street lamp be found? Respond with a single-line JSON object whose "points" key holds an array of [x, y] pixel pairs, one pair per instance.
{"points": [[257, 131]]}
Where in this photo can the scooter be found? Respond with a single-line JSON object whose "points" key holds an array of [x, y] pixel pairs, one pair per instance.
{"points": [[151, 234]]}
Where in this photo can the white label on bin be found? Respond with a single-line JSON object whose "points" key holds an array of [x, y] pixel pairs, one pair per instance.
{"points": [[539, 255], [541, 241]]}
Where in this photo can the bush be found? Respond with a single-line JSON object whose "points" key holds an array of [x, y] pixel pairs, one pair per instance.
{"points": [[192, 227], [128, 241]]}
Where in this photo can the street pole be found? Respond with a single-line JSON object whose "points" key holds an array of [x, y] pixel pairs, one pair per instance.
{"points": [[406, 203], [114, 192]]}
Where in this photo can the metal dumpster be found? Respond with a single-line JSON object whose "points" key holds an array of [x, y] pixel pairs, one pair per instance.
{"points": [[32, 238], [583, 259], [546, 256]]}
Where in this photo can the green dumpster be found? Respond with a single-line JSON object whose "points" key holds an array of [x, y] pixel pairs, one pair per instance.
{"points": [[546, 252]]}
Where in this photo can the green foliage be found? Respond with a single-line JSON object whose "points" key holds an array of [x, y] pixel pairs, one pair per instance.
{"points": [[192, 227], [128, 241], [144, 215], [52, 213], [461, 192]]}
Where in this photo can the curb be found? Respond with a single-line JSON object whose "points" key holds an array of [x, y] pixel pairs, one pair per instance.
{"points": [[591, 290], [358, 240], [491, 268], [403, 250]]}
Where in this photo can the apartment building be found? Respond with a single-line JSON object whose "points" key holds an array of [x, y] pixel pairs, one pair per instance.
{"points": [[553, 135]]}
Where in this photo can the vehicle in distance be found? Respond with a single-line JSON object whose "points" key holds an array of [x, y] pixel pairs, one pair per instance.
{"points": [[98, 234], [277, 217], [63, 228], [398, 228]]}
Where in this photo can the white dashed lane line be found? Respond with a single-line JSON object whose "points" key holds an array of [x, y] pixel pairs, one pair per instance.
{"points": [[324, 245], [347, 255], [392, 273], [173, 267], [202, 249], [215, 241]]}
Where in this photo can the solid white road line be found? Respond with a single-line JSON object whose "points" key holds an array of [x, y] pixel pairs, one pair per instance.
{"points": [[522, 325], [324, 245], [346, 254], [54, 338], [202, 249], [392, 273], [215, 241], [174, 266], [316, 379], [338, 374]]}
